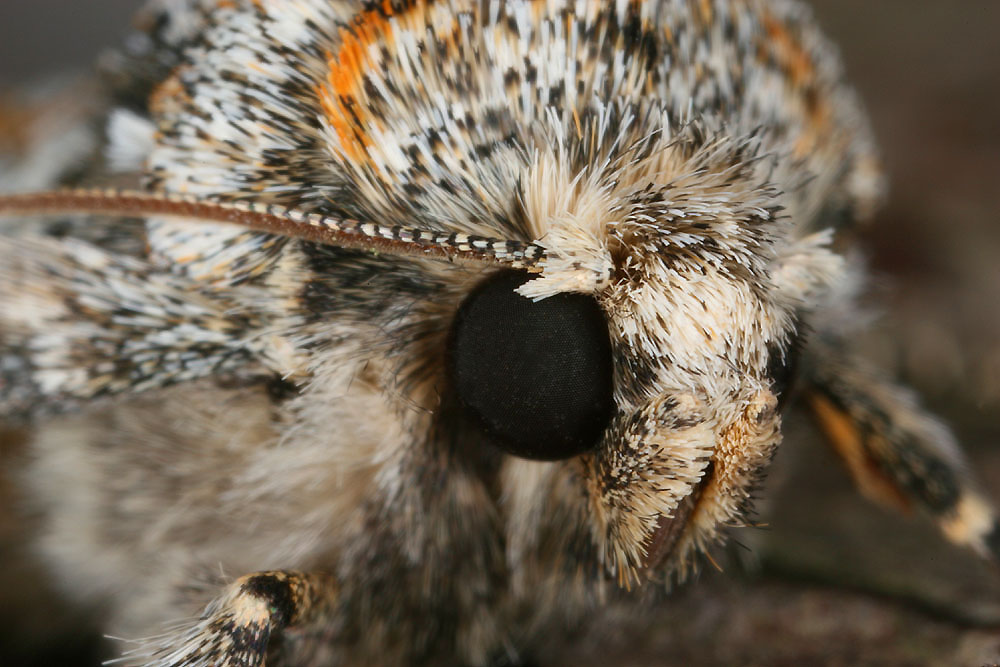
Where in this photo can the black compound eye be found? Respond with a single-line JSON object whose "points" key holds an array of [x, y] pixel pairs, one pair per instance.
{"points": [[536, 375]]}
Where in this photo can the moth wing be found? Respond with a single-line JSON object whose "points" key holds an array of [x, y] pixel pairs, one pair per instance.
{"points": [[78, 321], [898, 454]]}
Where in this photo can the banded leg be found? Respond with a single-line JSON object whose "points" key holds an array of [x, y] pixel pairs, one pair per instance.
{"points": [[234, 629], [897, 453]]}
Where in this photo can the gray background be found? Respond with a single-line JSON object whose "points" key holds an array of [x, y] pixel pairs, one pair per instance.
{"points": [[38, 36]]}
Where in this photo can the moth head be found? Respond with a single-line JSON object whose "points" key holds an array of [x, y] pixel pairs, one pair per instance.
{"points": [[667, 423], [649, 356]]}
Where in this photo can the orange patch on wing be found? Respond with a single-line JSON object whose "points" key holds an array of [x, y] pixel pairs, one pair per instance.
{"points": [[168, 95], [843, 434], [338, 95], [793, 59], [705, 12], [789, 52]]}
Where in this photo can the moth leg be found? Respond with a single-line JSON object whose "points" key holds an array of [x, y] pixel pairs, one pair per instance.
{"points": [[898, 454], [234, 629]]}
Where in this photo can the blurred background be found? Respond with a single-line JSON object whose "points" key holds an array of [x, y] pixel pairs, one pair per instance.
{"points": [[832, 580]]}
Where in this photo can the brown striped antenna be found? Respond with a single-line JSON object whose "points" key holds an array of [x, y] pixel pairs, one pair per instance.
{"points": [[279, 220]]}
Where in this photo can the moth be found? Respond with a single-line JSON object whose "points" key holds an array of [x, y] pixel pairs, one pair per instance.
{"points": [[413, 332]]}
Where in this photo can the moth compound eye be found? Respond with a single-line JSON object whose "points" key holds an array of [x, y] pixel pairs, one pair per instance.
{"points": [[536, 375]]}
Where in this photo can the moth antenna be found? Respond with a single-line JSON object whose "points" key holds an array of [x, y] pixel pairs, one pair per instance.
{"points": [[279, 220]]}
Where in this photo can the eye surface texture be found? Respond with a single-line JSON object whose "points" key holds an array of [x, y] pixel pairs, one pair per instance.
{"points": [[535, 375]]}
